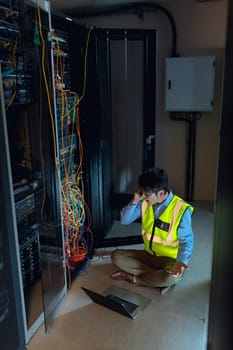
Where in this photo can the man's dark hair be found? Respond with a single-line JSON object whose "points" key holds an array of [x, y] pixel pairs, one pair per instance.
{"points": [[154, 180]]}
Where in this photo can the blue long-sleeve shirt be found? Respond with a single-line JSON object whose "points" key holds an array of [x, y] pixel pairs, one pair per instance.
{"points": [[132, 212]]}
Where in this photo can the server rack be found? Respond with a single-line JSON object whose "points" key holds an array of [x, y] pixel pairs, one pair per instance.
{"points": [[24, 57], [53, 230], [12, 317]]}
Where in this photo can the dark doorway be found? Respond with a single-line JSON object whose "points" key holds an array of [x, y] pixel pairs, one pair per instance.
{"points": [[119, 127]]}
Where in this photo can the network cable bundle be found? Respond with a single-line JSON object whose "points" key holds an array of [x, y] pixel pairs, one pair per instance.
{"points": [[29, 45], [75, 211]]}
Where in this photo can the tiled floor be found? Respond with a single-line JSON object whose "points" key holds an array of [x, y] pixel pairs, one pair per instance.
{"points": [[177, 320]]}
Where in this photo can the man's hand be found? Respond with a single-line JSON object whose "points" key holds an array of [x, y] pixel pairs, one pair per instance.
{"points": [[138, 196], [177, 269]]}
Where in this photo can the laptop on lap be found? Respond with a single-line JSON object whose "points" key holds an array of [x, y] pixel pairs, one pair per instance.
{"points": [[121, 300]]}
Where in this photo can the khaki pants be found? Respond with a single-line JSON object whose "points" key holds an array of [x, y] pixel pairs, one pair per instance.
{"points": [[150, 270]]}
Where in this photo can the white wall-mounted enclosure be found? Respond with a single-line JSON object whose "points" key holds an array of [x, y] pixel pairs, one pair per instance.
{"points": [[189, 84]]}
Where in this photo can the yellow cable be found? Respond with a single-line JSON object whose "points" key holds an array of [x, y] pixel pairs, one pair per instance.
{"points": [[85, 65]]}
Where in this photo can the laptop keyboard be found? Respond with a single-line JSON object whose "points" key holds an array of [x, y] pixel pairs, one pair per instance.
{"points": [[127, 304]]}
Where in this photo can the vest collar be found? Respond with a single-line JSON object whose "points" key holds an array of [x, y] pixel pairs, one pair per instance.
{"points": [[159, 208]]}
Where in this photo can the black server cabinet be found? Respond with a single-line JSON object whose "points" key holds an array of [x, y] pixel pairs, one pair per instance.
{"points": [[12, 331], [27, 101], [89, 78], [76, 220]]}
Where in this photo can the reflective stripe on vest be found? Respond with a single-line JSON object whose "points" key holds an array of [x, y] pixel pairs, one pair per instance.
{"points": [[159, 240]]}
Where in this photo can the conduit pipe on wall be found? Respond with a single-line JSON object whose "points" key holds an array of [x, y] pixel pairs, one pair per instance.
{"points": [[137, 8]]}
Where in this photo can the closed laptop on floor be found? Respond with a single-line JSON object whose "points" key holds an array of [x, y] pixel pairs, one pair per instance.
{"points": [[120, 300]]}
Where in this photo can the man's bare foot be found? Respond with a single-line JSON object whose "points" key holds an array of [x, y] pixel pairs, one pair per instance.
{"points": [[123, 276]]}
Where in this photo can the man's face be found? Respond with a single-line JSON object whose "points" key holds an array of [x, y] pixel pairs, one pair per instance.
{"points": [[154, 197]]}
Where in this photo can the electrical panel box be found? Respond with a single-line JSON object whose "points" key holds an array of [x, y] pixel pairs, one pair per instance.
{"points": [[189, 84]]}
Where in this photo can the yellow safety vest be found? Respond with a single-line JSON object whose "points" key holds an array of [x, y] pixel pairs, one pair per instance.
{"points": [[160, 236]]}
